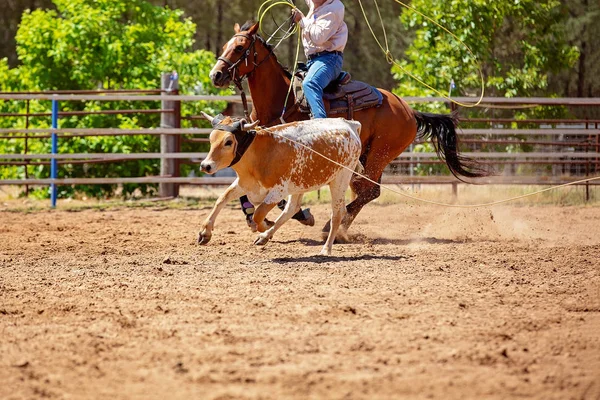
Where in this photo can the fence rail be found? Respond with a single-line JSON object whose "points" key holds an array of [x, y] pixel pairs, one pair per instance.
{"points": [[489, 101], [571, 147], [199, 131], [219, 181], [414, 157]]}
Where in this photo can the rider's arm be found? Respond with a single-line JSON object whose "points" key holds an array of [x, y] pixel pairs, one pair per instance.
{"points": [[320, 30]]}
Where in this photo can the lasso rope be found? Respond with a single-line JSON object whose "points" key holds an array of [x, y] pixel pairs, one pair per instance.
{"points": [[392, 60], [269, 4], [492, 203]]}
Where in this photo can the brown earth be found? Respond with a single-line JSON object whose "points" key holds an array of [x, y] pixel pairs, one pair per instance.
{"points": [[425, 303]]}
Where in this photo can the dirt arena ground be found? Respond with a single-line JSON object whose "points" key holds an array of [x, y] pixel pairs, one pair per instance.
{"points": [[426, 303]]}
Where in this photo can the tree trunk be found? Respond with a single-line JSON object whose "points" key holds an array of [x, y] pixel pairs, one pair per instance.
{"points": [[219, 27], [581, 72]]}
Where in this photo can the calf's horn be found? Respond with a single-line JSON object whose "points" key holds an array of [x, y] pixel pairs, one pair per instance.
{"points": [[208, 117], [247, 127]]}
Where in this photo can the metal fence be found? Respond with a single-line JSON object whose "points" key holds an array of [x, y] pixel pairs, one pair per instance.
{"points": [[541, 151]]}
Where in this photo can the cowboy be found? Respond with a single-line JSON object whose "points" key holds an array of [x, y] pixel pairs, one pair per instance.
{"points": [[324, 36]]}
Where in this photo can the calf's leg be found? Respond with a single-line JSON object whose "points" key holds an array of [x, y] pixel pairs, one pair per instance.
{"points": [[338, 207], [288, 212], [206, 228], [260, 214]]}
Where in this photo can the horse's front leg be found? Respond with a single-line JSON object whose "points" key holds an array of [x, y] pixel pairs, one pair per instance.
{"points": [[232, 192]]}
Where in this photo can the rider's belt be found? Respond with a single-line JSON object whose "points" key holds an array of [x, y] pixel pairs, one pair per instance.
{"points": [[322, 53]]}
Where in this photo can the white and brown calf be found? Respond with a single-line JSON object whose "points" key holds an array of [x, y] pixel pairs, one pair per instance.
{"points": [[271, 167]]}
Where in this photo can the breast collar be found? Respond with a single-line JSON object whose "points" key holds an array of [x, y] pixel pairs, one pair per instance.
{"points": [[243, 139]]}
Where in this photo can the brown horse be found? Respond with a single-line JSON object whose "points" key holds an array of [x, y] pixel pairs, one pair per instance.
{"points": [[387, 130]]}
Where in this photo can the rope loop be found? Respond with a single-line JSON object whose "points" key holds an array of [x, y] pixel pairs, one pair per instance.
{"points": [[389, 57]]}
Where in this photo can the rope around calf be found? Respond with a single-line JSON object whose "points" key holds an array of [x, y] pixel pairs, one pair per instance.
{"points": [[489, 204]]}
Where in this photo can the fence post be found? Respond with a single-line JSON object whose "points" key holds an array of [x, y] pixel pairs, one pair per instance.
{"points": [[587, 168], [54, 161], [27, 149], [168, 143]]}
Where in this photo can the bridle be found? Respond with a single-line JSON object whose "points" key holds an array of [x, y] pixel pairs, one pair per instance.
{"points": [[232, 67]]}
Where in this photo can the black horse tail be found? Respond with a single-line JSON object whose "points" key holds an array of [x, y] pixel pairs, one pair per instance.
{"points": [[441, 129]]}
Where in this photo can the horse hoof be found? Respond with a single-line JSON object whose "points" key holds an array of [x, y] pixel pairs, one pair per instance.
{"points": [[261, 241], [203, 238], [309, 219], [252, 225], [339, 239]]}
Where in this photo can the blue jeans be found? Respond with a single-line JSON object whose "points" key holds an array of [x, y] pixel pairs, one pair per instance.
{"points": [[322, 70]]}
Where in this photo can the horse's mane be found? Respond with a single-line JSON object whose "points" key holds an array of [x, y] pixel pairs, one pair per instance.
{"points": [[249, 24]]}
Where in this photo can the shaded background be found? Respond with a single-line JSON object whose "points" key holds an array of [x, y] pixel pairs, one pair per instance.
{"points": [[215, 20]]}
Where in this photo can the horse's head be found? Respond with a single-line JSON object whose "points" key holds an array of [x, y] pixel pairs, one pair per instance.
{"points": [[239, 57]]}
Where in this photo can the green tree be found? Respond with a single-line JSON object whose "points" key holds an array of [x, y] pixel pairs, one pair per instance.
{"points": [[107, 44], [582, 30], [517, 44]]}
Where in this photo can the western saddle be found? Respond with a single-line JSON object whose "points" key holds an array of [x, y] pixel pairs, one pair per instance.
{"points": [[342, 96]]}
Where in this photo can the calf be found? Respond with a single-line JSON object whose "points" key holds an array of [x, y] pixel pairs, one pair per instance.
{"points": [[278, 162]]}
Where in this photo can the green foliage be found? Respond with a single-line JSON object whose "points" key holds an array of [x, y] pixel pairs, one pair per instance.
{"points": [[516, 43], [101, 44]]}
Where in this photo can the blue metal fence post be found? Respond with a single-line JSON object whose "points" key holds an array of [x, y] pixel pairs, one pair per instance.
{"points": [[54, 162]]}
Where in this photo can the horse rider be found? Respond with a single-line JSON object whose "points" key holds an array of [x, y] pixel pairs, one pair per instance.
{"points": [[324, 37]]}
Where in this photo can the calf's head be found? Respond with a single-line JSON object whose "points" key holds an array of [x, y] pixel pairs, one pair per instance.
{"points": [[228, 142]]}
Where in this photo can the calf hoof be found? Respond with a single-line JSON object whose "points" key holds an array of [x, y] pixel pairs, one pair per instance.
{"points": [[340, 238], [261, 240], [204, 237], [325, 252]]}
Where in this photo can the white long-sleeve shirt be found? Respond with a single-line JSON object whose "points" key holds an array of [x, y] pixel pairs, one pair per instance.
{"points": [[324, 29]]}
